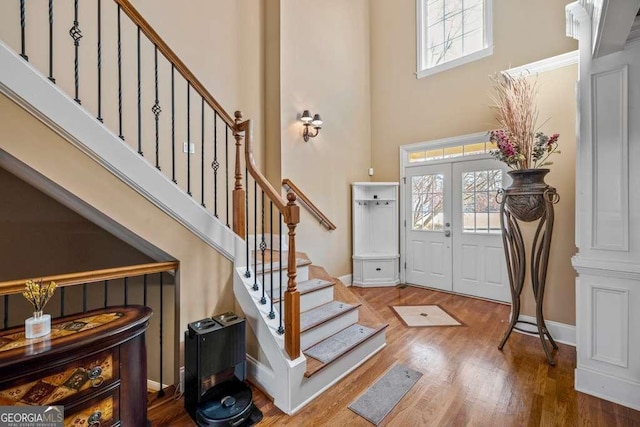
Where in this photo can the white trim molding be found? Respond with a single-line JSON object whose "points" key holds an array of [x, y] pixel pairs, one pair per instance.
{"points": [[347, 279], [634, 34], [608, 387], [605, 268], [475, 56], [610, 136], [487, 50], [561, 332], [544, 65]]}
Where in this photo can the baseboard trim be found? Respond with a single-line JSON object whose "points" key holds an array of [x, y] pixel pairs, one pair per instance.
{"points": [[155, 386], [561, 332], [347, 279], [607, 387], [377, 285], [259, 375]]}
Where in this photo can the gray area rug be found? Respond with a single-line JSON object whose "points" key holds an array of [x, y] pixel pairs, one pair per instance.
{"points": [[384, 395], [336, 345]]}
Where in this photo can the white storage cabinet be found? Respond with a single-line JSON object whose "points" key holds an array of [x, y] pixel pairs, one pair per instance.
{"points": [[375, 228]]}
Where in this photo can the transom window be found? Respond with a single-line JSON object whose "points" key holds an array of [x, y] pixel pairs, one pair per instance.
{"points": [[452, 33], [451, 152]]}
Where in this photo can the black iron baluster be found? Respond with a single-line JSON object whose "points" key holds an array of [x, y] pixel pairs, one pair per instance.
{"points": [[84, 297], [100, 62], [173, 126], [119, 77], [5, 320], [139, 94], [226, 165], [215, 165], [156, 110], [263, 248], [272, 314], [144, 290], [247, 272], [106, 293], [188, 138], [23, 24], [126, 291], [202, 156], [51, 42], [255, 235], [161, 391], [76, 35], [62, 301], [281, 327]]}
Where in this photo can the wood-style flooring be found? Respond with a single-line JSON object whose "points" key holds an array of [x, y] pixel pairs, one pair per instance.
{"points": [[467, 381]]}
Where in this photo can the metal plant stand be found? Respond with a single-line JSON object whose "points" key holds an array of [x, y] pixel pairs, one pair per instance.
{"points": [[514, 249]]}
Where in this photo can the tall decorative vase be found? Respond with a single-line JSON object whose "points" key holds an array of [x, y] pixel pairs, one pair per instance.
{"points": [[526, 201], [37, 326]]}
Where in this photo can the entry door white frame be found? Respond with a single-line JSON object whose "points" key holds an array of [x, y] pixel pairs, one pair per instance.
{"points": [[404, 162]]}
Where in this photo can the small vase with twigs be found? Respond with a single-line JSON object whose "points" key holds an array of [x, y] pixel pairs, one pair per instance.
{"points": [[38, 294]]}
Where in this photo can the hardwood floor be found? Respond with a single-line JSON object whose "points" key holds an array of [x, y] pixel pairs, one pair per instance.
{"points": [[466, 381]]}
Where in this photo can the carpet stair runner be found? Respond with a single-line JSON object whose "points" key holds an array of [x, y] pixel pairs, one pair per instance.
{"points": [[313, 293], [333, 321]]}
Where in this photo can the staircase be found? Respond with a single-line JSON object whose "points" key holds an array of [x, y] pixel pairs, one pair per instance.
{"points": [[309, 329], [338, 330]]}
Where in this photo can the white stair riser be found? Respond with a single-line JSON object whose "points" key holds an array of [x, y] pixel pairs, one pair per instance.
{"points": [[303, 276], [316, 298], [338, 369], [323, 331]]}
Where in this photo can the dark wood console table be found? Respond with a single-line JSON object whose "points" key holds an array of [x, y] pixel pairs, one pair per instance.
{"points": [[93, 363]]}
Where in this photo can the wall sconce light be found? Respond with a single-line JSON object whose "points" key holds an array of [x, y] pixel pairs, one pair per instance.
{"points": [[307, 121]]}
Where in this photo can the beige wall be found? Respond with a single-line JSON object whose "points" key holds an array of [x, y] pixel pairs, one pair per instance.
{"points": [[42, 237], [325, 68], [557, 103], [407, 110], [220, 41], [351, 61], [204, 281]]}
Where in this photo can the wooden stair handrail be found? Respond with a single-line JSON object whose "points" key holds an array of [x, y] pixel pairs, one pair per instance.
{"points": [[291, 215], [171, 56], [309, 204], [70, 279]]}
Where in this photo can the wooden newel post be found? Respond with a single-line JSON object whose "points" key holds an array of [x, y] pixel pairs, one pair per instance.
{"points": [[238, 192], [292, 296]]}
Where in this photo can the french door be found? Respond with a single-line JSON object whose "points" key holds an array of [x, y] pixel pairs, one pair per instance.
{"points": [[453, 240]]}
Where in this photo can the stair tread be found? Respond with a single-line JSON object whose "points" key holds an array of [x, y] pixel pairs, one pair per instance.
{"points": [[327, 351], [319, 315], [308, 286]]}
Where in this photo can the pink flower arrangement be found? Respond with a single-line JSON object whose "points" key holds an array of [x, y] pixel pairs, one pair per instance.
{"points": [[519, 144]]}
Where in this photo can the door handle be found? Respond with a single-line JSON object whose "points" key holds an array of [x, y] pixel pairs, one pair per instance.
{"points": [[447, 233]]}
